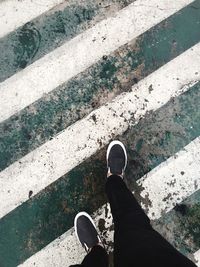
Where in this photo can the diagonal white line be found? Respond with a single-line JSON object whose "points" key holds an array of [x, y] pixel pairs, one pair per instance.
{"points": [[197, 257], [75, 56], [157, 184], [14, 13], [58, 156]]}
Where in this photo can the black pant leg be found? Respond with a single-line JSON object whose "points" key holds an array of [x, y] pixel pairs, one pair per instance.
{"points": [[97, 257], [135, 241], [125, 208]]}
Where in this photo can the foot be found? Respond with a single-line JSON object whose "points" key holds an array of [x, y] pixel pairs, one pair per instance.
{"points": [[86, 231], [116, 158]]}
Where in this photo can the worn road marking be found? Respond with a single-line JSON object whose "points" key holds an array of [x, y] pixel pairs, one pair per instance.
{"points": [[14, 13], [63, 63], [165, 179], [58, 156], [50, 30], [197, 257], [153, 140], [110, 76], [176, 179]]}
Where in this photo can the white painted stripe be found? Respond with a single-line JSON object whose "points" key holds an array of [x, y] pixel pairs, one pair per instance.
{"points": [[75, 56], [79, 141], [177, 178], [156, 185], [197, 257], [15, 13]]}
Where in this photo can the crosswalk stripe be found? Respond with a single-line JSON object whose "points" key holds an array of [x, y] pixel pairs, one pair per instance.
{"points": [[177, 178], [63, 63], [15, 13], [153, 140], [50, 30], [197, 257], [165, 179], [59, 155], [76, 98]]}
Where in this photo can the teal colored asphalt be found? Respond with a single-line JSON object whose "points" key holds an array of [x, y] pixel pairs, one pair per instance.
{"points": [[181, 225], [42, 120], [159, 135], [50, 30], [51, 212]]}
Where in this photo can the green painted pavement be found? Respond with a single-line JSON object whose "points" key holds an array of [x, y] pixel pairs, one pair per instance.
{"points": [[39, 221], [112, 75], [50, 30], [181, 225], [50, 213], [163, 133]]}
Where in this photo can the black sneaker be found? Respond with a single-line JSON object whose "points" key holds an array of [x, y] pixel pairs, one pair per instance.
{"points": [[86, 231], [116, 158]]}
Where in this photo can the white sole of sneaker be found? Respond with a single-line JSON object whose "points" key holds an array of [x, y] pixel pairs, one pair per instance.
{"points": [[116, 142]]}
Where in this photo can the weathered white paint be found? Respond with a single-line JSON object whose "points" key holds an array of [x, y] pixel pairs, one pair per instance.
{"points": [[177, 178], [157, 184], [57, 67], [197, 257], [79, 141], [15, 13], [66, 250]]}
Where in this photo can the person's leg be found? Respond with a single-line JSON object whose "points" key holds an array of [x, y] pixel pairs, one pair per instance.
{"points": [[125, 209], [135, 241], [87, 235], [97, 257]]}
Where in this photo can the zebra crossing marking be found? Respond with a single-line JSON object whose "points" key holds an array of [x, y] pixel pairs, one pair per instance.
{"points": [[57, 67], [59, 155], [156, 185], [197, 257], [73, 100], [27, 162], [15, 13]]}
